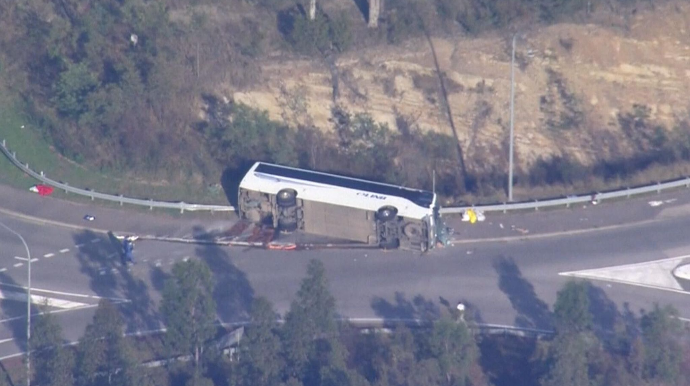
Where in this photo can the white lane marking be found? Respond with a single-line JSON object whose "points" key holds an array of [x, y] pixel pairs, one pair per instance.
{"points": [[18, 265], [63, 293], [96, 240], [47, 255], [25, 259], [6, 340], [78, 245], [64, 250], [38, 299], [3, 269], [185, 258], [59, 311]]}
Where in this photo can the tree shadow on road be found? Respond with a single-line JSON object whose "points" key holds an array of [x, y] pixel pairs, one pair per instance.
{"points": [[14, 312], [532, 311], [402, 309], [233, 292], [421, 310], [100, 259]]}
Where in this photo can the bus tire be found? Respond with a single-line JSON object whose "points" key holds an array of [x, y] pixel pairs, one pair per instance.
{"points": [[286, 225], [390, 244], [412, 231], [286, 198], [387, 213]]}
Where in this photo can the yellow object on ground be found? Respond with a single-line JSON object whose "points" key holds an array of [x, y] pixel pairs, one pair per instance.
{"points": [[473, 216]]}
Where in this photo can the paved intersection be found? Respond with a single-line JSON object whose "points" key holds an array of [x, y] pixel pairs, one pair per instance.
{"points": [[503, 282]]}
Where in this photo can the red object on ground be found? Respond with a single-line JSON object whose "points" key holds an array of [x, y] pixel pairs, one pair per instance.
{"points": [[44, 190]]}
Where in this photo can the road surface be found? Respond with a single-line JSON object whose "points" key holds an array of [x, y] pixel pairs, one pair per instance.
{"points": [[510, 282]]}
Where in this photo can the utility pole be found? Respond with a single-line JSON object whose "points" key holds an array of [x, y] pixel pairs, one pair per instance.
{"points": [[512, 106], [433, 182], [28, 305]]}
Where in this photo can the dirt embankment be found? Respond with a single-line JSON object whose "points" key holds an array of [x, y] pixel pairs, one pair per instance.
{"points": [[572, 80]]}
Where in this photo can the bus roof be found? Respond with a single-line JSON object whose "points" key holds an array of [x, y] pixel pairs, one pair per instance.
{"points": [[422, 198]]}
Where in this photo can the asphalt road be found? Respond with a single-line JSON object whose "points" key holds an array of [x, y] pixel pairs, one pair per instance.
{"points": [[503, 282]]}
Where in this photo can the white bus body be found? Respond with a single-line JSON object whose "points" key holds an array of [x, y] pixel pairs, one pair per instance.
{"points": [[337, 206]]}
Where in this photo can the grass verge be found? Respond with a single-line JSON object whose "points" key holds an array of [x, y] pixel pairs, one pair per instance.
{"points": [[33, 149]]}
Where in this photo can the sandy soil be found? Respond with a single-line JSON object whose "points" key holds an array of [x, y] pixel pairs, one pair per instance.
{"points": [[591, 71]]}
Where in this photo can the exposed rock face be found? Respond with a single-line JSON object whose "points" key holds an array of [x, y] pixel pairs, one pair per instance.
{"points": [[572, 82]]}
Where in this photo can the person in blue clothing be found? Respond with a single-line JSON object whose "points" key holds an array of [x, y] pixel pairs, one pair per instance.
{"points": [[128, 249]]}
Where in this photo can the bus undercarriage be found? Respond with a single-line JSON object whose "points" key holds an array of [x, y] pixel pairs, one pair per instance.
{"points": [[286, 212]]}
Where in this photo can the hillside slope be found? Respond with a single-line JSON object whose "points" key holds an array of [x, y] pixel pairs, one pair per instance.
{"points": [[573, 83]]}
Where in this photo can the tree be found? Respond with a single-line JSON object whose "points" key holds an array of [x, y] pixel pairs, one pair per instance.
{"points": [[310, 341], [571, 310], [189, 310], [260, 360], [72, 88], [569, 362], [453, 345], [662, 352], [53, 364], [104, 355]]}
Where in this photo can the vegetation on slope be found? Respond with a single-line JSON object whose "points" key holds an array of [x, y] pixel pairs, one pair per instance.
{"points": [[117, 85]]}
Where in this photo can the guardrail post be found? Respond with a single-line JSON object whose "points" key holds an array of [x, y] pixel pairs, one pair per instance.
{"points": [[182, 207], [120, 200], [505, 210], [536, 208], [92, 197], [151, 204], [14, 154], [66, 192], [687, 182], [41, 173], [658, 187], [628, 191], [3, 142]]}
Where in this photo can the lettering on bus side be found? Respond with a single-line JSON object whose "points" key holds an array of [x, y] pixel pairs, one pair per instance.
{"points": [[371, 195]]}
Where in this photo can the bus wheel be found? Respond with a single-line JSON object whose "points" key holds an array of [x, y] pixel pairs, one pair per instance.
{"points": [[413, 231], [387, 213], [286, 198]]}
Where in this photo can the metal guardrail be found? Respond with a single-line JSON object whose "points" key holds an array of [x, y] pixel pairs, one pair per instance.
{"points": [[503, 207], [567, 201], [181, 206]]}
